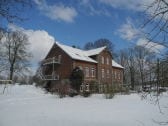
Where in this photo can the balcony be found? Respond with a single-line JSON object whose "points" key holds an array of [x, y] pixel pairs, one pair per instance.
{"points": [[53, 60], [50, 77]]}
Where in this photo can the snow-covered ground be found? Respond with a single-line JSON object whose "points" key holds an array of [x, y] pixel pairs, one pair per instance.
{"points": [[27, 105]]}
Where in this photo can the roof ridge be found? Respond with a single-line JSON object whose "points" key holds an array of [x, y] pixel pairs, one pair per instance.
{"points": [[96, 48], [75, 53], [95, 51], [69, 46]]}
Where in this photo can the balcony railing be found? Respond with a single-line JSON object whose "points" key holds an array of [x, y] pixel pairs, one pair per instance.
{"points": [[51, 60], [50, 77]]}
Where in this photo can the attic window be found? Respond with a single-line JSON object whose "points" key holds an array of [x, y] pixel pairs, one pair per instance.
{"points": [[102, 59], [107, 60]]}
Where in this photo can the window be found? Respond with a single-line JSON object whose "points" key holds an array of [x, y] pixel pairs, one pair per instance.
{"points": [[115, 74], [108, 73], [86, 72], [80, 67], [87, 87], [107, 60], [119, 75], [102, 73], [93, 72], [101, 88], [102, 59], [59, 58]]}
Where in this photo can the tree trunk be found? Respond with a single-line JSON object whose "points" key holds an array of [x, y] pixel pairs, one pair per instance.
{"points": [[11, 73], [132, 78], [158, 75]]}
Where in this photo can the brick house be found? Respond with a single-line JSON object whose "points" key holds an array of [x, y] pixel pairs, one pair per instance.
{"points": [[97, 64]]}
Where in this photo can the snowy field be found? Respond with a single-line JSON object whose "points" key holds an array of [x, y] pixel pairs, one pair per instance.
{"points": [[30, 106]]}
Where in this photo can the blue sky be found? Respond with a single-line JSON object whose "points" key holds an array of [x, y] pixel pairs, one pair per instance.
{"points": [[84, 24], [76, 22]]}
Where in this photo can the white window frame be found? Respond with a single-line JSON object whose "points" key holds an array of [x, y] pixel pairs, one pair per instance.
{"points": [[86, 71], [93, 72]]}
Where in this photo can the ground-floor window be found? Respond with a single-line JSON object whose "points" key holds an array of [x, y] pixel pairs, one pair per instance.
{"points": [[102, 73]]}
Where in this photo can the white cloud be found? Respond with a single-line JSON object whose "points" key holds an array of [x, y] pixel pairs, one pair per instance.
{"points": [[153, 47], [57, 11], [136, 5], [40, 42], [93, 8], [128, 31]]}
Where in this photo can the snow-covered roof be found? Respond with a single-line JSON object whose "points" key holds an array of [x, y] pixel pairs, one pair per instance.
{"points": [[115, 64], [75, 53], [95, 51]]}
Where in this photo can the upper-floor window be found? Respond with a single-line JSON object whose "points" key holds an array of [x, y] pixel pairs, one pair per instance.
{"points": [[102, 73], [80, 67], [108, 73], [57, 59], [119, 75], [102, 59], [86, 72], [115, 74], [93, 72], [107, 60]]}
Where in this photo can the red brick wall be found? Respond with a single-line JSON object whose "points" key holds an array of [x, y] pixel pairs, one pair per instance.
{"points": [[107, 78], [83, 65], [64, 69]]}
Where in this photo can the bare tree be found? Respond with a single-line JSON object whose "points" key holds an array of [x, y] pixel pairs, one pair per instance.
{"points": [[127, 59], [157, 22], [141, 55], [100, 43], [14, 54], [138, 65], [11, 9]]}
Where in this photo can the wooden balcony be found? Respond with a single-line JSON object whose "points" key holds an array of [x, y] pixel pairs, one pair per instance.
{"points": [[50, 77], [53, 60]]}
